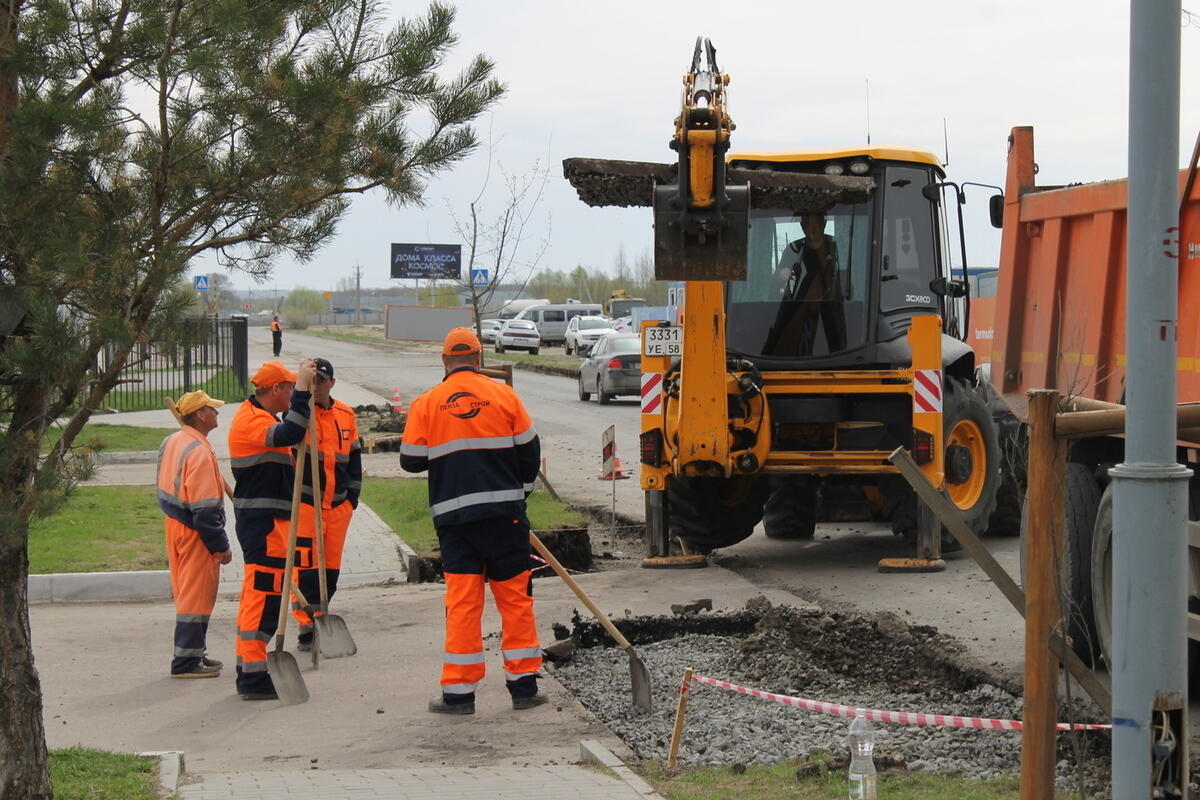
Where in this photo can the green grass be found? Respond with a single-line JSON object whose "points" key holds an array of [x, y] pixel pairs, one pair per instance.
{"points": [[349, 337], [779, 782], [79, 774], [403, 503], [100, 529], [543, 359], [113, 438], [222, 385]]}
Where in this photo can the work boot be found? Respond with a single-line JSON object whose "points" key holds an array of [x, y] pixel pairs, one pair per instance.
{"points": [[304, 642], [438, 705], [198, 671], [522, 703], [211, 662]]}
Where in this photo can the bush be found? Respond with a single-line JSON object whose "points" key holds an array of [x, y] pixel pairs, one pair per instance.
{"points": [[299, 304]]}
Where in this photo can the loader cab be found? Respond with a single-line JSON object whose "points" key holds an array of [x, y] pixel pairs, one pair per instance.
{"points": [[835, 289]]}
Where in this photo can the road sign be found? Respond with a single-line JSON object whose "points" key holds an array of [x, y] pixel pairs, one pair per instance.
{"points": [[479, 277], [608, 449], [327, 295], [427, 261], [200, 282]]}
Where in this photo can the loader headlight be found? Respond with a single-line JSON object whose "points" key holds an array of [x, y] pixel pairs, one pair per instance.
{"points": [[860, 167], [834, 169]]}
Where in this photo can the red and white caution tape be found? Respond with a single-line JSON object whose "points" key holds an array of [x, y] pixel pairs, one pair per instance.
{"points": [[545, 565], [902, 717]]}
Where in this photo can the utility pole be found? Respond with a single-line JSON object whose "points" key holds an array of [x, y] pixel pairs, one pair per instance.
{"points": [[357, 294], [1150, 502]]}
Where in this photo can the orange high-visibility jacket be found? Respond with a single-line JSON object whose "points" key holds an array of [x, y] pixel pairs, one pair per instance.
{"points": [[340, 457], [260, 452], [475, 437], [191, 490]]}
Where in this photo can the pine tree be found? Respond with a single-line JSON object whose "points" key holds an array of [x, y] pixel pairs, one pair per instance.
{"points": [[136, 135]]}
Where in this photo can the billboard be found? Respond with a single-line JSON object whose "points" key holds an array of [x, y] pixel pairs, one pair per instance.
{"points": [[427, 261], [426, 323]]}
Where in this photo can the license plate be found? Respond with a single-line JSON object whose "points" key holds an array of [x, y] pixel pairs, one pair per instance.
{"points": [[663, 341]]}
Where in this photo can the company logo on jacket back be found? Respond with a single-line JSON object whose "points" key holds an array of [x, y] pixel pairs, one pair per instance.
{"points": [[464, 405]]}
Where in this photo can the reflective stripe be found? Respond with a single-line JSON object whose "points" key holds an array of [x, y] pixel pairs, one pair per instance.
{"points": [[296, 418], [356, 445], [478, 498], [528, 487], [353, 484], [521, 652], [463, 658], [262, 503], [339, 497], [189, 652], [182, 458], [254, 636], [472, 443], [341, 458], [191, 617], [516, 676], [178, 502], [407, 449], [269, 456], [253, 666], [212, 502], [525, 437], [459, 688]]}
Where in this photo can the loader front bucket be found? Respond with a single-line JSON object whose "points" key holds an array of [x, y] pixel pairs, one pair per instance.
{"points": [[701, 245]]}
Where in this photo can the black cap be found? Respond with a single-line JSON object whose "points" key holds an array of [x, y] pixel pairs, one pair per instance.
{"points": [[324, 368]]}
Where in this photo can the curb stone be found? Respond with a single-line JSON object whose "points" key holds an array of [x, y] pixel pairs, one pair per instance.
{"points": [[170, 767], [594, 752]]}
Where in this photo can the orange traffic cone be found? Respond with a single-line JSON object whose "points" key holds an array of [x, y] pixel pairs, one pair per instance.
{"points": [[397, 402], [618, 472]]}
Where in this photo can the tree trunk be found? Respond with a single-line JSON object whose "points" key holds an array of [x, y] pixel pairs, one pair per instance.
{"points": [[24, 774]]}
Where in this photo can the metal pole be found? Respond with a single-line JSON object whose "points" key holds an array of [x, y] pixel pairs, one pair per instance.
{"points": [[1149, 591]]}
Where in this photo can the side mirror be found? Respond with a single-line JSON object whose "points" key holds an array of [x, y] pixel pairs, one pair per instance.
{"points": [[996, 210], [932, 192], [945, 287]]}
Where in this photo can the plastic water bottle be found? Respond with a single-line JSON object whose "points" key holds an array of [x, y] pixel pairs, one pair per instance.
{"points": [[862, 764]]}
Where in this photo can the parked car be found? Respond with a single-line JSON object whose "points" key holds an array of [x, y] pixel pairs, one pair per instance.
{"points": [[488, 328], [518, 334], [613, 367], [582, 333]]}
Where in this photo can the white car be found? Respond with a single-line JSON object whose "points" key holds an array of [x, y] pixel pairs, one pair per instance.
{"points": [[488, 328], [623, 324], [583, 332], [518, 334]]}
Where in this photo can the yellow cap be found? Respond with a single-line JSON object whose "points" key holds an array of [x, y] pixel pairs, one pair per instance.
{"points": [[194, 401]]}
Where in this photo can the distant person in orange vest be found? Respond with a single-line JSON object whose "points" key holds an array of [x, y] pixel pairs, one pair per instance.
{"points": [[276, 335], [191, 493], [260, 452], [340, 457], [475, 438]]}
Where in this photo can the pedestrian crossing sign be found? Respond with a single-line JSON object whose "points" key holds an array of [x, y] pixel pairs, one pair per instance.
{"points": [[201, 283], [479, 277]]}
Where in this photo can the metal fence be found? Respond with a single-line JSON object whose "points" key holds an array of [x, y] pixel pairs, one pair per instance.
{"points": [[212, 355]]}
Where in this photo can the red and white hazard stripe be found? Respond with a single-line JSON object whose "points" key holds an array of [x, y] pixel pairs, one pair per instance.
{"points": [[901, 717], [651, 392], [927, 391]]}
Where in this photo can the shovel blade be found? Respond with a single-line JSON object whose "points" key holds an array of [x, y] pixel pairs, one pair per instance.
{"points": [[640, 678], [285, 674], [335, 638]]}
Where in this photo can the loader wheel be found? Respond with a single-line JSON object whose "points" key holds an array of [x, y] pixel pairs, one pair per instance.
{"points": [[972, 467], [791, 509], [707, 513]]}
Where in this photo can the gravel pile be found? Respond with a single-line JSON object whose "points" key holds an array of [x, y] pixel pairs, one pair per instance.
{"points": [[866, 661]]}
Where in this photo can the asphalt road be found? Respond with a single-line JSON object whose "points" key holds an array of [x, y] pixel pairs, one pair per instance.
{"points": [[837, 569]]}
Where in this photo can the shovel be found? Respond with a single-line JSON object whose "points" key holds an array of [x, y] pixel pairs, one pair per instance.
{"points": [[333, 638], [285, 672], [638, 674]]}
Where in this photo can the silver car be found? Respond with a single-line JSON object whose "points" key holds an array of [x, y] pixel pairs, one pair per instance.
{"points": [[613, 367], [582, 333]]}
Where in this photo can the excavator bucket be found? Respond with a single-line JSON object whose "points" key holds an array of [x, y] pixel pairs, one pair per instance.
{"points": [[699, 247]]}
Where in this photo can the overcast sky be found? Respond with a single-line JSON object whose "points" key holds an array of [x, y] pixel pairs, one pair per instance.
{"points": [[603, 80]]}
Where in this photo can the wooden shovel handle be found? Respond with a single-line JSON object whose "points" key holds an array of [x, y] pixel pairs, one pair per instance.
{"points": [[575, 587], [179, 418], [290, 560], [318, 499]]}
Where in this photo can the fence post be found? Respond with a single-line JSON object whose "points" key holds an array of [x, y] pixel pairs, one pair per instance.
{"points": [[1044, 538], [240, 343]]}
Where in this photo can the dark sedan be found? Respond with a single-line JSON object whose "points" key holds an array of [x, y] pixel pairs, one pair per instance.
{"points": [[613, 367]]}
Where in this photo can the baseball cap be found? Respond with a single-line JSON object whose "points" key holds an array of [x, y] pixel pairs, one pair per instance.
{"points": [[271, 373], [194, 401], [461, 341], [324, 368]]}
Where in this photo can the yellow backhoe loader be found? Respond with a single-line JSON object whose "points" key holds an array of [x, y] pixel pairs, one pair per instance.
{"points": [[812, 341]]}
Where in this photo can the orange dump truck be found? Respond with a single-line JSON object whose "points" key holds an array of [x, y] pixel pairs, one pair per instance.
{"points": [[1059, 323]]}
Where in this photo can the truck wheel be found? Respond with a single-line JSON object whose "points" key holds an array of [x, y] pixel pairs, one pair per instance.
{"points": [[708, 513], [584, 395], [972, 468], [791, 509], [1083, 506]]}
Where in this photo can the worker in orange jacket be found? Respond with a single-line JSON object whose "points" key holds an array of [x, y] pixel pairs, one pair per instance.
{"points": [[340, 459], [191, 493], [475, 438], [276, 335], [260, 451]]}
